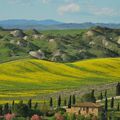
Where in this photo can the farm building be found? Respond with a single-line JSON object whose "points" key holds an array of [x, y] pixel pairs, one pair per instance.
{"points": [[86, 108]]}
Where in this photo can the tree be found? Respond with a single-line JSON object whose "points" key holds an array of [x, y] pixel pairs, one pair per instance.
{"points": [[93, 99], [69, 102], [118, 89], [102, 115], [74, 100], [59, 101], [101, 96], [1, 110], [90, 97], [105, 93], [106, 104], [112, 103], [21, 110], [118, 107], [6, 108], [13, 103], [51, 102], [29, 103], [36, 105]]}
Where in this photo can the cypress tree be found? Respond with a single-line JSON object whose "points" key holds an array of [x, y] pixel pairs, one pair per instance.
{"points": [[51, 102], [93, 99], [101, 96], [13, 105], [74, 100], [112, 103], [1, 110], [69, 102], [59, 101], [105, 93], [118, 89], [106, 104], [118, 107], [36, 105], [29, 103], [6, 108]]}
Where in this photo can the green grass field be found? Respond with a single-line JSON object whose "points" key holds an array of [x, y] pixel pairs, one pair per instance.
{"points": [[59, 32], [63, 32], [31, 77]]}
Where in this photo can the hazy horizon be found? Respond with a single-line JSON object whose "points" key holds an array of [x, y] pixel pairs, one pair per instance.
{"points": [[59, 21]]}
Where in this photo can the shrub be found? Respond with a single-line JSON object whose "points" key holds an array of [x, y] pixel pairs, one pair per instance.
{"points": [[50, 113], [9, 116], [58, 116], [36, 117], [61, 110]]}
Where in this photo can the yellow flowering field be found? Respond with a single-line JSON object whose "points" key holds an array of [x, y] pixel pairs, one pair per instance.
{"points": [[31, 77]]}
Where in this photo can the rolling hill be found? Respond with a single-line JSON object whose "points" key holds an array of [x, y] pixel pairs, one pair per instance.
{"points": [[30, 77], [59, 45]]}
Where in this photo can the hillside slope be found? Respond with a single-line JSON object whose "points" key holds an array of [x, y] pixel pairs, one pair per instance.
{"points": [[39, 74], [61, 45]]}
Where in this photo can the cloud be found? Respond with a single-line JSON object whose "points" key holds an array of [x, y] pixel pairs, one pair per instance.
{"points": [[69, 8], [103, 11]]}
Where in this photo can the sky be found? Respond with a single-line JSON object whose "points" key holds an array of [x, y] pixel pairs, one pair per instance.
{"points": [[77, 11]]}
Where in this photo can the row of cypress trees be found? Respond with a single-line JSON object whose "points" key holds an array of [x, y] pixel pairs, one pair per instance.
{"points": [[71, 101], [112, 104]]}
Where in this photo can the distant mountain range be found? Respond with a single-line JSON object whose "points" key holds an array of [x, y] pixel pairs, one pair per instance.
{"points": [[51, 24]]}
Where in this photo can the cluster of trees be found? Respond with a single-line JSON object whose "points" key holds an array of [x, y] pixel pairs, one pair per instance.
{"points": [[109, 106], [112, 101], [112, 104], [22, 109], [71, 101], [90, 97]]}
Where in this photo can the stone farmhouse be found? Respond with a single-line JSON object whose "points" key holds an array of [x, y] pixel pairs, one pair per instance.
{"points": [[86, 109]]}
